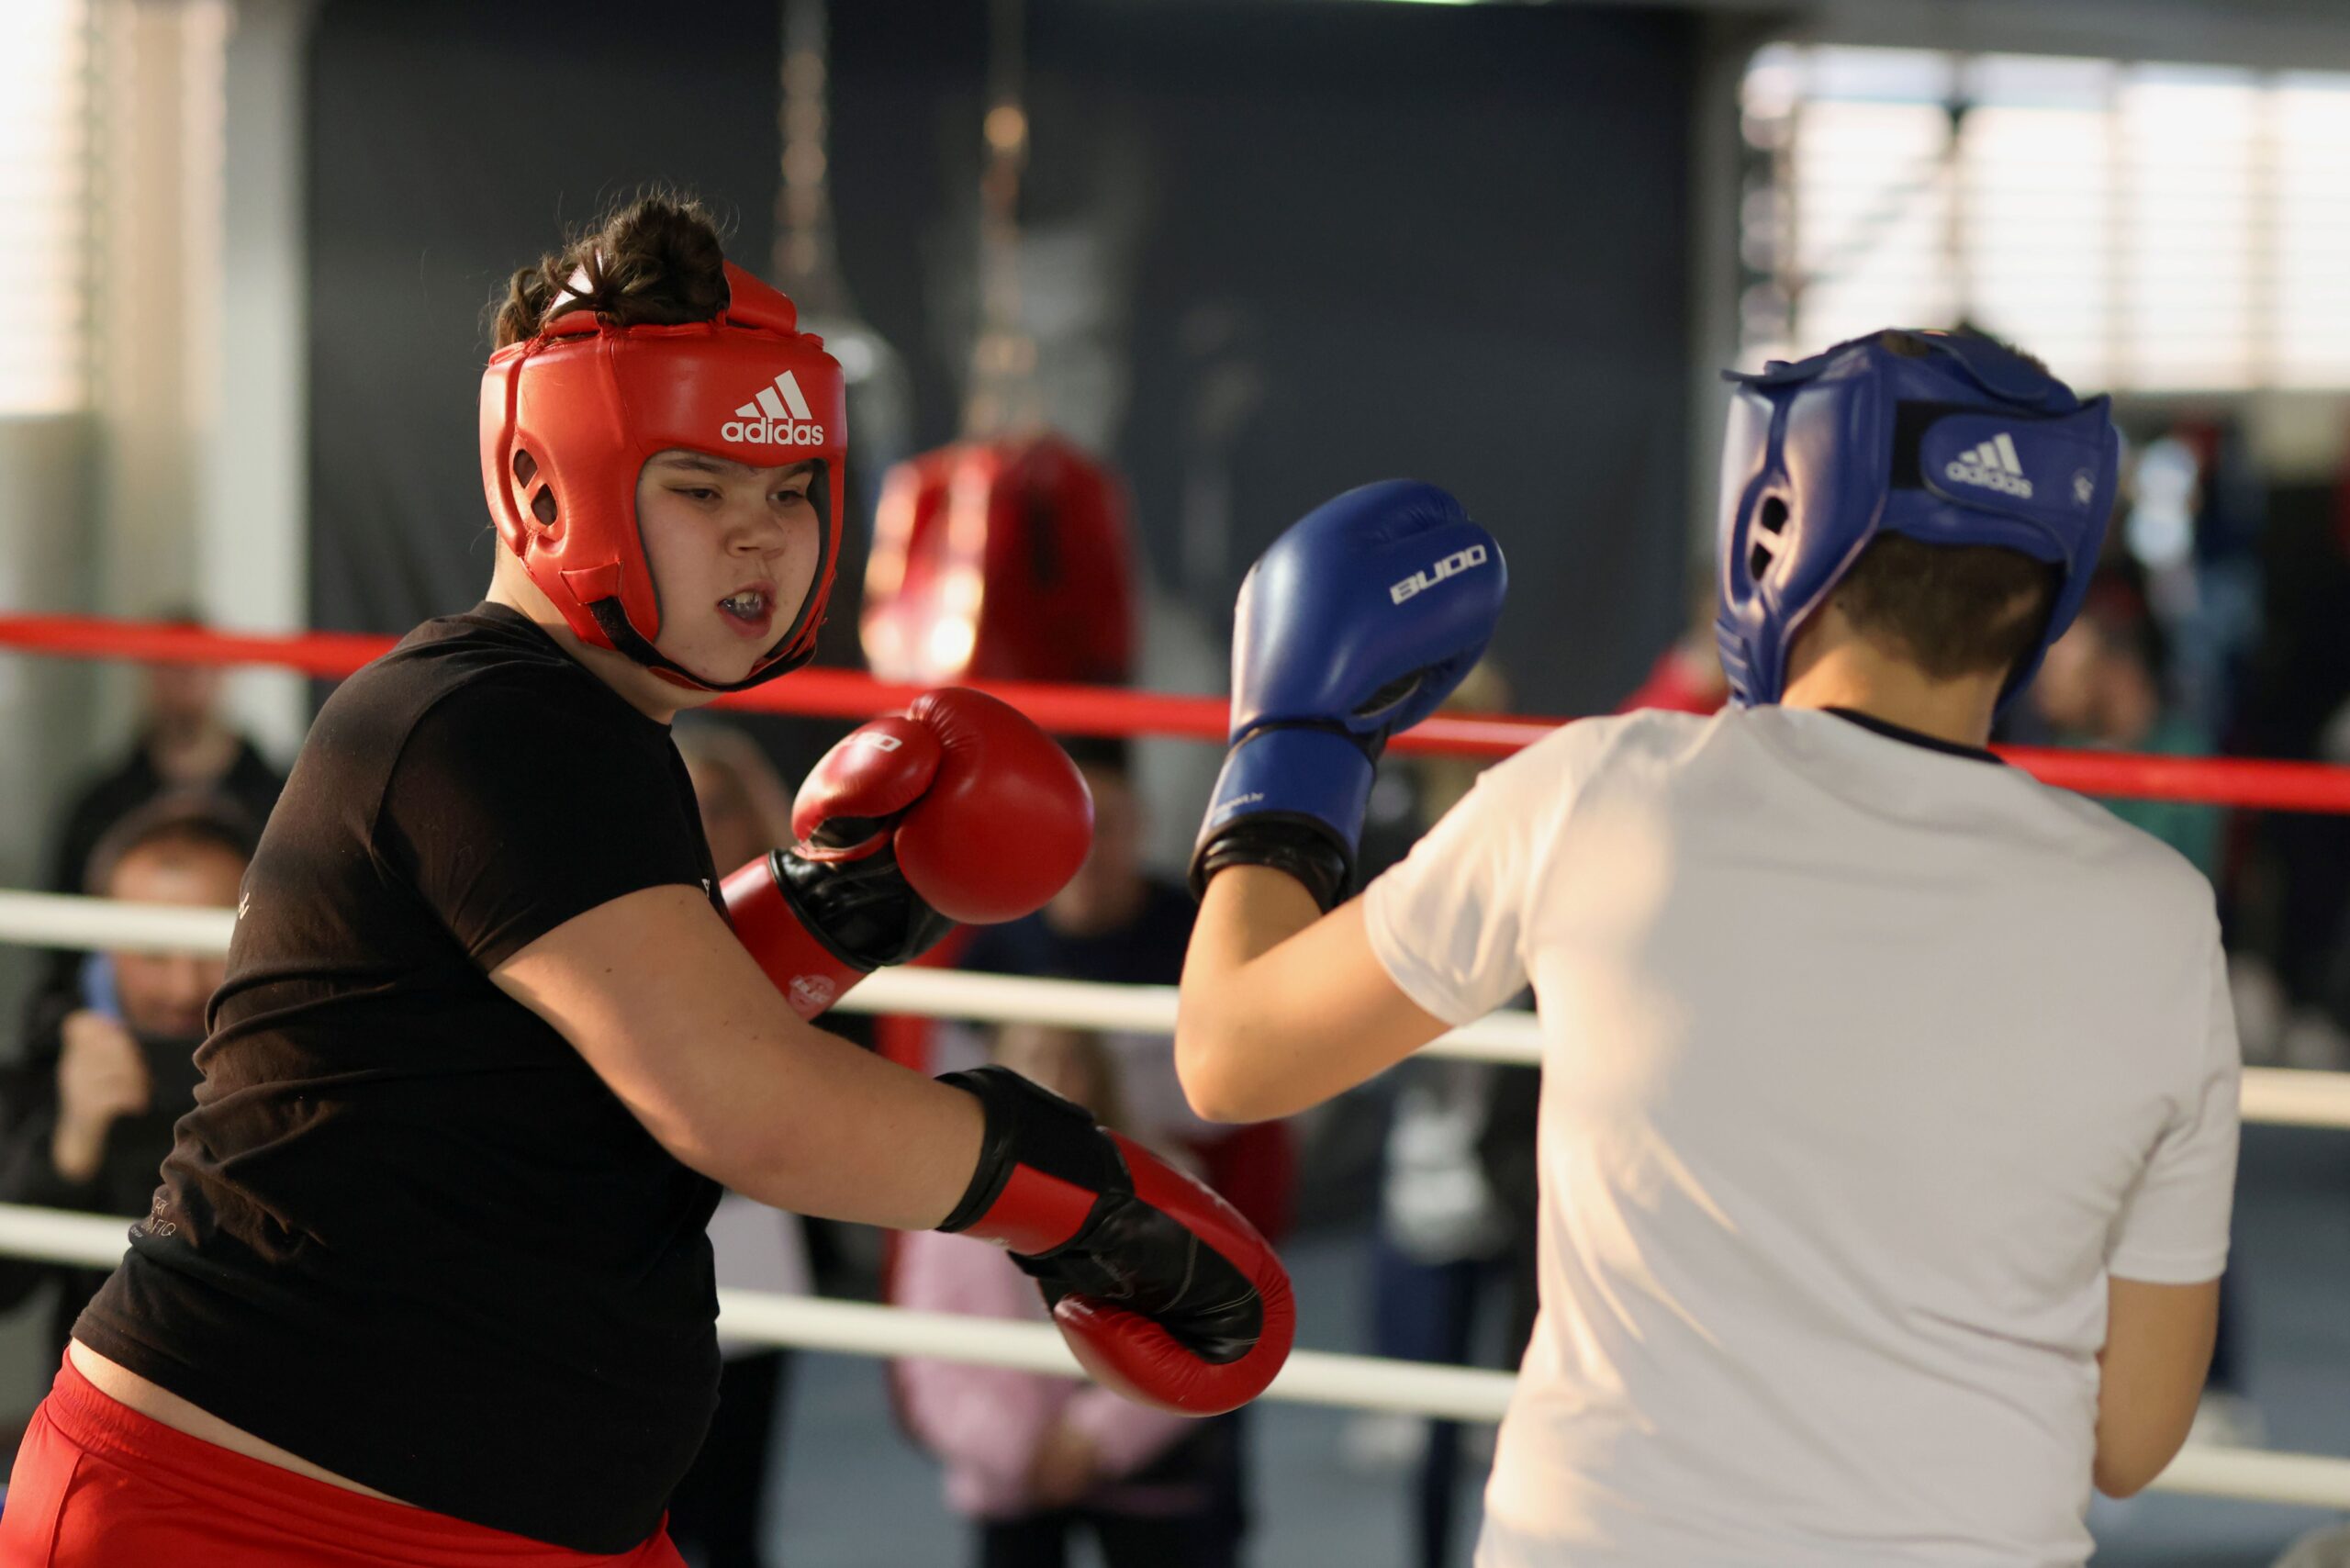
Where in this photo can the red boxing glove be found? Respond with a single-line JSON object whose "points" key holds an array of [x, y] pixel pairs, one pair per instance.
{"points": [[959, 811], [988, 816], [1165, 1293]]}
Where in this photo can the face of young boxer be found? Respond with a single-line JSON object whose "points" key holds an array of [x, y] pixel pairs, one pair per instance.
{"points": [[733, 552]]}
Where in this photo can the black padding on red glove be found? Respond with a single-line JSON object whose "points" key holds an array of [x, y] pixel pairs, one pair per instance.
{"points": [[1118, 1250], [863, 911]]}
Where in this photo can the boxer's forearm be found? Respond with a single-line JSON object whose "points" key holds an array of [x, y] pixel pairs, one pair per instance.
{"points": [[659, 998], [1247, 912], [1281, 1007]]}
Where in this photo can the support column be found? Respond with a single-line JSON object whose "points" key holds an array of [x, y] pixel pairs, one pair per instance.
{"points": [[252, 539]]}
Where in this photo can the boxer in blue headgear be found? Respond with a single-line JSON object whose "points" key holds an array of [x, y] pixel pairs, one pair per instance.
{"points": [[1946, 438], [1887, 1128]]}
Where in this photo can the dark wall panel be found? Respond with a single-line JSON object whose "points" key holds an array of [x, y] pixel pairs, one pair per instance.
{"points": [[1457, 243], [452, 142], [1447, 242]]}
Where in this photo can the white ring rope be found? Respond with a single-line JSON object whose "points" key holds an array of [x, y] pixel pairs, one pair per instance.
{"points": [[2285, 1096], [1310, 1377], [58, 920]]}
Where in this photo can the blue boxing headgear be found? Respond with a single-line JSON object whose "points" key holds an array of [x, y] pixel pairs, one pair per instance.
{"points": [[1957, 442]]}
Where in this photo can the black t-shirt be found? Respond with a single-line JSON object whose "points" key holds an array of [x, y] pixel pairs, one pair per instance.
{"points": [[407, 1233]]}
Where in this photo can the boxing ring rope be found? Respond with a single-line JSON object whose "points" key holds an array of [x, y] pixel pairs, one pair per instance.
{"points": [[1104, 711], [2286, 1096], [1311, 1377]]}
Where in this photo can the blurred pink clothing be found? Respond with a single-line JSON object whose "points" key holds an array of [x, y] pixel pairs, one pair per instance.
{"points": [[987, 1422]]}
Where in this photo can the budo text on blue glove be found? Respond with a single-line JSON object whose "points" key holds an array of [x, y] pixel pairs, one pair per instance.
{"points": [[1354, 625]]}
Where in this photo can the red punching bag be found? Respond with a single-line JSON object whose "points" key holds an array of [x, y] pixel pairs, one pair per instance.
{"points": [[1000, 560]]}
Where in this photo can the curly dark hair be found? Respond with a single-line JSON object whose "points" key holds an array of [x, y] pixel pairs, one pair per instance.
{"points": [[655, 260]]}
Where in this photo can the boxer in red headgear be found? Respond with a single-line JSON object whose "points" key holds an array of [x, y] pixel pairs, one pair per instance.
{"points": [[427, 1280], [571, 415]]}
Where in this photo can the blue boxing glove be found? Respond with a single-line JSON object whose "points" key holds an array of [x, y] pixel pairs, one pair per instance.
{"points": [[1358, 621]]}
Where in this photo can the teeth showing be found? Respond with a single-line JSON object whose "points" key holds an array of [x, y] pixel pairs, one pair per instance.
{"points": [[745, 604]]}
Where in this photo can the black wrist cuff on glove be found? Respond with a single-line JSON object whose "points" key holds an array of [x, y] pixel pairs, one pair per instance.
{"points": [[1026, 1125], [1298, 847], [863, 911]]}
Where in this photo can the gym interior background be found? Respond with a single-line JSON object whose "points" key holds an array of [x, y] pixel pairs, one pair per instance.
{"points": [[1263, 250]]}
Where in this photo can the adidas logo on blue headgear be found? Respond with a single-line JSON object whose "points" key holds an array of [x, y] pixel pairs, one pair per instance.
{"points": [[1949, 439]]}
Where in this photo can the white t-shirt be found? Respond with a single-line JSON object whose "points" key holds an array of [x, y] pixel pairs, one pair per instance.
{"points": [[1864, 1064]]}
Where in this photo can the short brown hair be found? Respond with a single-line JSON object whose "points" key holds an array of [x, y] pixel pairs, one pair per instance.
{"points": [[655, 260], [1951, 610], [1910, 346], [183, 819]]}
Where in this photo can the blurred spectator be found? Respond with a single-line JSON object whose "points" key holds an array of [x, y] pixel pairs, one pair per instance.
{"points": [[1116, 920], [1034, 1460], [2101, 688], [1119, 922], [1455, 1233], [715, 1514], [85, 1119], [1456, 1221], [2192, 527], [183, 744], [2295, 897]]}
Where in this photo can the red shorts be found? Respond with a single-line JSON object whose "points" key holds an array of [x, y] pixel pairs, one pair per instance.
{"points": [[99, 1485]]}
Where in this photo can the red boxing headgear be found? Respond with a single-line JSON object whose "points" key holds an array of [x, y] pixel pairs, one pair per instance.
{"points": [[569, 418]]}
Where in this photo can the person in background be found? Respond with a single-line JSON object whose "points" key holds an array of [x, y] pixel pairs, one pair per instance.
{"points": [[1117, 921], [1033, 1461], [2101, 689], [85, 1119], [183, 743], [715, 1512], [1120, 922], [1456, 1215]]}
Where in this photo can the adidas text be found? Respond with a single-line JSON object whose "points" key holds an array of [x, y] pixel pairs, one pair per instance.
{"points": [[1451, 566], [1992, 465], [772, 432]]}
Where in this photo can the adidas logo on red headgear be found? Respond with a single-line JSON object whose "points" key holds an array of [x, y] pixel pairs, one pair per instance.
{"points": [[778, 415]]}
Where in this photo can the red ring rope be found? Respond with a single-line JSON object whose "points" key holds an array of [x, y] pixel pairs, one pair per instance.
{"points": [[1103, 711]]}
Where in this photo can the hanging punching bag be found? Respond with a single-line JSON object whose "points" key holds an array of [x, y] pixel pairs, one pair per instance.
{"points": [[1002, 560]]}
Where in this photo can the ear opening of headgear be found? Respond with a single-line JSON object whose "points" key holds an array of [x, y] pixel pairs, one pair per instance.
{"points": [[1948, 438], [570, 417]]}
